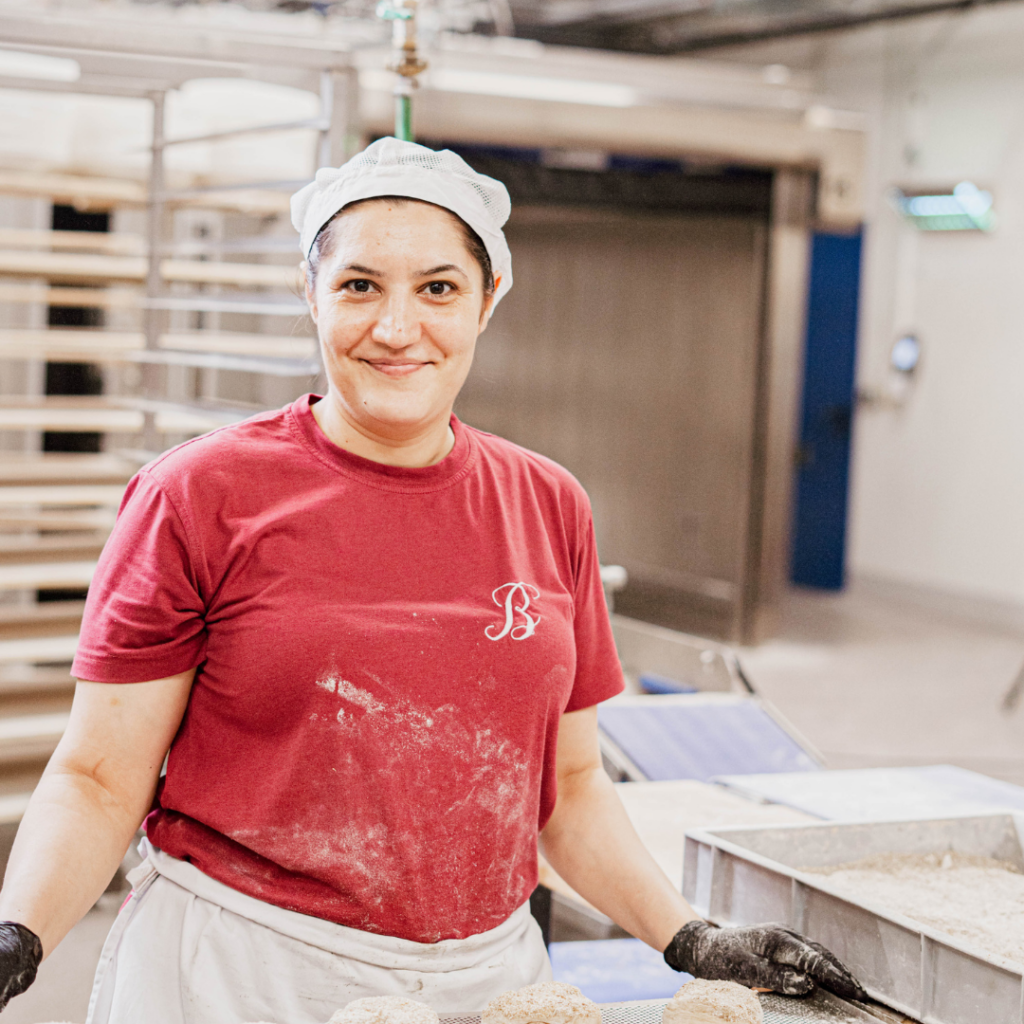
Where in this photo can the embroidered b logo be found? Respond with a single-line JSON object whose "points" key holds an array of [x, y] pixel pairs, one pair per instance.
{"points": [[515, 597]]}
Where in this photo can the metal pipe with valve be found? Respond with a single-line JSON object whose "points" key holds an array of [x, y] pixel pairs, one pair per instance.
{"points": [[406, 63]]}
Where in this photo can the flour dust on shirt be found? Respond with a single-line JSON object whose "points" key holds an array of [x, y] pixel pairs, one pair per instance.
{"points": [[383, 655]]}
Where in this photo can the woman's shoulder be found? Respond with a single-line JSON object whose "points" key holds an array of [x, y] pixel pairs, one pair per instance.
{"points": [[231, 453], [515, 461]]}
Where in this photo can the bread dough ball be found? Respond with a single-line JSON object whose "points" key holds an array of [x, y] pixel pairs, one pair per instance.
{"points": [[713, 1002], [547, 1002], [384, 1010]]}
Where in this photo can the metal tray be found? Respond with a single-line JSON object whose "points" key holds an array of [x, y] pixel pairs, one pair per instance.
{"points": [[822, 1009], [736, 876]]}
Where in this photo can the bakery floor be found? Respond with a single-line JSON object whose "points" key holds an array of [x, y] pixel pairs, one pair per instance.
{"points": [[869, 677], [875, 679]]}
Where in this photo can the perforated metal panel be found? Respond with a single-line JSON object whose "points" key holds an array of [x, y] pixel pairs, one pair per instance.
{"points": [[822, 1009]]}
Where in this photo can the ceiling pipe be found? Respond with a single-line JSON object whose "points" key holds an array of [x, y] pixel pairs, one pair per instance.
{"points": [[650, 36]]}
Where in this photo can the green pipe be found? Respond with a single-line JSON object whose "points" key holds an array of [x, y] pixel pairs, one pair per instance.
{"points": [[403, 118]]}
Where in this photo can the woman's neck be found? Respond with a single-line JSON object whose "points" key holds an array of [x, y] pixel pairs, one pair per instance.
{"points": [[418, 449]]}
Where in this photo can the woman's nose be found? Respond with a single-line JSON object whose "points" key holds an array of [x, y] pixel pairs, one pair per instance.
{"points": [[397, 325]]}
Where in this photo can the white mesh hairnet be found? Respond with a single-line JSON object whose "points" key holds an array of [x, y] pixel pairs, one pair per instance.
{"points": [[391, 167]]}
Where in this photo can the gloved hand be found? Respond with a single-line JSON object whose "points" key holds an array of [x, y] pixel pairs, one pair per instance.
{"points": [[21, 953], [761, 956]]}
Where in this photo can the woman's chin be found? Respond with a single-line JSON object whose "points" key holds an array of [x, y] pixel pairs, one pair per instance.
{"points": [[402, 418]]}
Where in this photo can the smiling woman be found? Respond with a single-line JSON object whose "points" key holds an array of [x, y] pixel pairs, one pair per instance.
{"points": [[399, 291], [400, 286], [370, 641]]}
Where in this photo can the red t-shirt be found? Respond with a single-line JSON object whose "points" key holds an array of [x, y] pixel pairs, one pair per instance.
{"points": [[383, 657]]}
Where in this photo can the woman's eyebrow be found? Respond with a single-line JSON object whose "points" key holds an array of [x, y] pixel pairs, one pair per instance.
{"points": [[360, 269], [442, 269]]}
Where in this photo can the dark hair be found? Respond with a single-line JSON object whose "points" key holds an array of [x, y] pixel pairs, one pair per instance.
{"points": [[323, 244]]}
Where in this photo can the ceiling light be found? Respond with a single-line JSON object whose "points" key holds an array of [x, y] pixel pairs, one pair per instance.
{"points": [[21, 64], [530, 87], [776, 74], [822, 118]]}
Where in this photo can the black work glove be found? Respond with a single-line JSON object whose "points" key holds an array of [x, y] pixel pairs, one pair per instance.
{"points": [[761, 956], [21, 953]]}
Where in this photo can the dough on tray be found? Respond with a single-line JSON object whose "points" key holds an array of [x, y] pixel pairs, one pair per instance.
{"points": [[384, 1010], [547, 1002], [713, 1002]]}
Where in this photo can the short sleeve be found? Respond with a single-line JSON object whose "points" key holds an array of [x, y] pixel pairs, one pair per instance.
{"points": [[144, 615], [598, 671]]}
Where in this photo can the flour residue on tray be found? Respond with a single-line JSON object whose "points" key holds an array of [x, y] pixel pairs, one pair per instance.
{"points": [[978, 900], [821, 1008]]}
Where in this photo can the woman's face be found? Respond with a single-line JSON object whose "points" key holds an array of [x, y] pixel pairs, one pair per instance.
{"points": [[399, 302]]}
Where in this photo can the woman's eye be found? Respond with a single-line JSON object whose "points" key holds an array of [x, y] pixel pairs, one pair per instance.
{"points": [[361, 286], [439, 288]]}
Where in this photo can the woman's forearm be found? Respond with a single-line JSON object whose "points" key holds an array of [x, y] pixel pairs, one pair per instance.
{"points": [[70, 843], [592, 844], [91, 799]]}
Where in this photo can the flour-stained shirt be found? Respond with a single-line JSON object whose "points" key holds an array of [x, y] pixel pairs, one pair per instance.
{"points": [[383, 655]]}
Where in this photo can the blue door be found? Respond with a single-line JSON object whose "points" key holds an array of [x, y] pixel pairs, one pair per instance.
{"points": [[823, 473]]}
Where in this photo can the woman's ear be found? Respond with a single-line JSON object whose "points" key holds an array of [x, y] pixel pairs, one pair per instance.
{"points": [[485, 313], [308, 290]]}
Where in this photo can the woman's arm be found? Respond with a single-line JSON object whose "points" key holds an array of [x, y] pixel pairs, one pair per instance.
{"points": [[592, 844], [93, 796]]}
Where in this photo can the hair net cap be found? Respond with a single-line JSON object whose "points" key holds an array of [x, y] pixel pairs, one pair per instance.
{"points": [[391, 167]]}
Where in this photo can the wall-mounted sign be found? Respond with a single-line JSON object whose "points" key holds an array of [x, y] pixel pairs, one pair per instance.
{"points": [[966, 208]]}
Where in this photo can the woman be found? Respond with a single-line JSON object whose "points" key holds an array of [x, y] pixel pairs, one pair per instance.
{"points": [[372, 640]]}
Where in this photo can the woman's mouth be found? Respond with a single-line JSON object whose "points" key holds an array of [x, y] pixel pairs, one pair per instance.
{"points": [[395, 368]]}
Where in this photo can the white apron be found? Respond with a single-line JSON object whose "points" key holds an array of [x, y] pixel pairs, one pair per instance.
{"points": [[186, 949]]}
